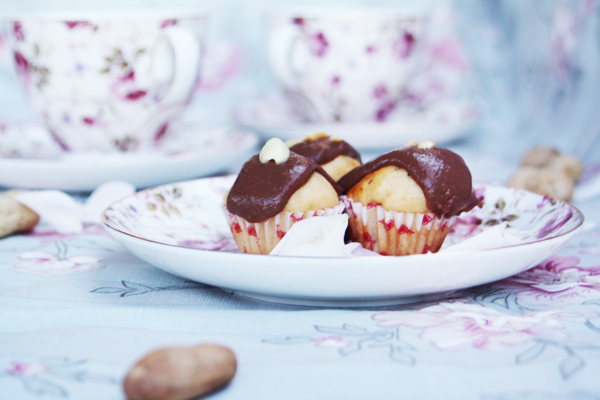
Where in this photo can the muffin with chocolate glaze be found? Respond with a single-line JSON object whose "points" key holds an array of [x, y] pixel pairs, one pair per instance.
{"points": [[274, 190], [405, 201], [336, 156]]}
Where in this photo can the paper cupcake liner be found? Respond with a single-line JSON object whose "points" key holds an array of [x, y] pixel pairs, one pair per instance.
{"points": [[396, 233], [262, 237]]}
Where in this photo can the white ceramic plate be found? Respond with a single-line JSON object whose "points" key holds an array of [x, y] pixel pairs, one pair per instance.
{"points": [[205, 152], [443, 123], [179, 228]]}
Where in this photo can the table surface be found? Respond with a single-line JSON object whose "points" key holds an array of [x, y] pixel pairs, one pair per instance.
{"points": [[532, 336]]}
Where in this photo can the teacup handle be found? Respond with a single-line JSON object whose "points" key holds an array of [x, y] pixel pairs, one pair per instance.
{"points": [[179, 73], [186, 61], [283, 57]]}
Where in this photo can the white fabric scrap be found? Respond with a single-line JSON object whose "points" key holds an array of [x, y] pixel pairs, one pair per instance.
{"points": [[64, 214]]}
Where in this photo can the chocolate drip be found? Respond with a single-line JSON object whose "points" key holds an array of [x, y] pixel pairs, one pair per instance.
{"points": [[441, 174], [262, 190], [324, 150]]}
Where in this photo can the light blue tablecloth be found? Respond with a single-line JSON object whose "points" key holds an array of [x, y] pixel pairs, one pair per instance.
{"points": [[533, 336]]}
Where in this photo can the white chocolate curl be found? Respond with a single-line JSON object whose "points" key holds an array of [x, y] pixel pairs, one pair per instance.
{"points": [[411, 143], [274, 150], [426, 144]]}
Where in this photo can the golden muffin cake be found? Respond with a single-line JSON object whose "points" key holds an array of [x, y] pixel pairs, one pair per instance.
{"points": [[274, 190], [336, 156], [405, 201]]}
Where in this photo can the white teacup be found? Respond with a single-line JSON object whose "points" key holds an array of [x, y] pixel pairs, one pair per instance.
{"points": [[350, 66], [107, 82]]}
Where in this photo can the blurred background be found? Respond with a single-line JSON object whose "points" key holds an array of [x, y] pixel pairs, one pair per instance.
{"points": [[530, 66]]}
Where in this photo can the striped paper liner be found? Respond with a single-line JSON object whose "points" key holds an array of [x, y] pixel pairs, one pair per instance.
{"points": [[395, 233]]}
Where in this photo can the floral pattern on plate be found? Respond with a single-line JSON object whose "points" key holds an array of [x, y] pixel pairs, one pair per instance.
{"points": [[187, 214]]}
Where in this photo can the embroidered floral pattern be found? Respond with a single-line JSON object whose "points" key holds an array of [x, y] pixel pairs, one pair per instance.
{"points": [[50, 376], [453, 326]]}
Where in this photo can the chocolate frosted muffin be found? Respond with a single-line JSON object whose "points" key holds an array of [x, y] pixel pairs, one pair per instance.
{"points": [[336, 156], [405, 201], [274, 190]]}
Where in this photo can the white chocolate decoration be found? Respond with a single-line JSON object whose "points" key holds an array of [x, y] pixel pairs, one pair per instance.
{"points": [[411, 143], [335, 139], [316, 135], [426, 144], [274, 150]]}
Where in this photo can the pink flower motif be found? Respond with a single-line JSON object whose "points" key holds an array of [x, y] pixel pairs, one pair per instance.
{"points": [[370, 49], [331, 341], [385, 110], [405, 45], [28, 369], [450, 53], [465, 227], [220, 64], [47, 234], [380, 91], [319, 45], [335, 80], [135, 95], [558, 281], [74, 24], [89, 121], [168, 22], [18, 30], [298, 21], [48, 264], [457, 325], [22, 63]]}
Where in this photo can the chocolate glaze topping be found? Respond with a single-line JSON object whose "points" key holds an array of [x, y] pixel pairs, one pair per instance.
{"points": [[262, 190], [324, 150], [442, 175]]}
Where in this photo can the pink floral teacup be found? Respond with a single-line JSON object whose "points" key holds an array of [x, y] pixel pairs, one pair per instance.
{"points": [[345, 65], [107, 82]]}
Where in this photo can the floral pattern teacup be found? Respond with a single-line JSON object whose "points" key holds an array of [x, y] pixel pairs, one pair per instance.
{"points": [[107, 83], [349, 66]]}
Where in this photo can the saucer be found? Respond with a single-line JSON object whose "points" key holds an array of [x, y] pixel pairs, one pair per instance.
{"points": [[187, 154], [180, 229], [443, 122]]}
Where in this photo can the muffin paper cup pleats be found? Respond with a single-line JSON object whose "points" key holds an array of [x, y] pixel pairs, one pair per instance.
{"points": [[262, 237], [395, 233]]}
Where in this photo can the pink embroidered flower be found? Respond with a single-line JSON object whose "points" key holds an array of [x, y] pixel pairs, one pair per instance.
{"points": [[331, 341], [558, 281], [28, 369], [48, 234], [457, 325], [48, 264]]}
